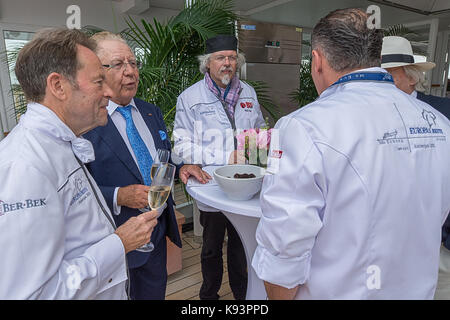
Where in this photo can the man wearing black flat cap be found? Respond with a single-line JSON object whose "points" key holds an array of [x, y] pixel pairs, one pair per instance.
{"points": [[207, 114]]}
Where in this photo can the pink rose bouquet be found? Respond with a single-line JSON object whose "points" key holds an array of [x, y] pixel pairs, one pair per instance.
{"points": [[255, 144]]}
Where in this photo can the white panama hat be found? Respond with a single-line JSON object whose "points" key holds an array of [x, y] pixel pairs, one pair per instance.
{"points": [[397, 52]]}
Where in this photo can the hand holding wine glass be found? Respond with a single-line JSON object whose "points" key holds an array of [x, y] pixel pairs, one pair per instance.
{"points": [[134, 232], [159, 192]]}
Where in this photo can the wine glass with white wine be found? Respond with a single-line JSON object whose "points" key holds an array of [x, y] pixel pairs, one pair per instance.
{"points": [[159, 192], [163, 157]]}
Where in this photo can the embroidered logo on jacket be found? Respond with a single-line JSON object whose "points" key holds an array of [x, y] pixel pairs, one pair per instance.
{"points": [[82, 192], [248, 105], [430, 118], [25, 204]]}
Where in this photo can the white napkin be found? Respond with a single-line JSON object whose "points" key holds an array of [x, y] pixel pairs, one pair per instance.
{"points": [[193, 182]]}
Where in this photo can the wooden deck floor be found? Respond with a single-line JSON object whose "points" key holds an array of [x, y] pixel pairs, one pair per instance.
{"points": [[185, 284]]}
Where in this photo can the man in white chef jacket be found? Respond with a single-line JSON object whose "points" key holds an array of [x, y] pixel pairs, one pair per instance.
{"points": [[57, 235], [360, 185], [207, 114], [398, 59]]}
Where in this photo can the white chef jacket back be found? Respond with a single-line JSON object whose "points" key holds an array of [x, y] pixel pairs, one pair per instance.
{"points": [[360, 192], [56, 241]]}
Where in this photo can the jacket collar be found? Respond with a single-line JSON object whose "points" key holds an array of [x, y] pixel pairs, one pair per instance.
{"points": [[42, 118]]}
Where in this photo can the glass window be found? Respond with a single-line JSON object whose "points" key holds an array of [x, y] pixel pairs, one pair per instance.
{"points": [[306, 46], [14, 41]]}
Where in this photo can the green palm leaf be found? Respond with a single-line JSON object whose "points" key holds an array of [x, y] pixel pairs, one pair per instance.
{"points": [[306, 92], [402, 31]]}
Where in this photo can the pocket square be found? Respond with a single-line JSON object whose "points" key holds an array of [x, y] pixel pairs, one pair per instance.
{"points": [[163, 135]]}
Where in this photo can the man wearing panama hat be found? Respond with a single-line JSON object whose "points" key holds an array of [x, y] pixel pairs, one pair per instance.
{"points": [[397, 58]]}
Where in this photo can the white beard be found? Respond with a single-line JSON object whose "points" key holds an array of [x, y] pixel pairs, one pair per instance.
{"points": [[225, 79]]}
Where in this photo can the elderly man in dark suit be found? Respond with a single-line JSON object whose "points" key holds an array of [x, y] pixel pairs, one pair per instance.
{"points": [[397, 58], [124, 150]]}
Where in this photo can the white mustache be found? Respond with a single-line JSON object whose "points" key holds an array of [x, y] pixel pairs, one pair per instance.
{"points": [[226, 69]]}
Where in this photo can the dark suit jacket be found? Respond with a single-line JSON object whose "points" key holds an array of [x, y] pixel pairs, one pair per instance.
{"points": [[439, 103], [443, 106], [114, 167]]}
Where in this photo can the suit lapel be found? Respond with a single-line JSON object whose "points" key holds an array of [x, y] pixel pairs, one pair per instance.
{"points": [[113, 139], [151, 123]]}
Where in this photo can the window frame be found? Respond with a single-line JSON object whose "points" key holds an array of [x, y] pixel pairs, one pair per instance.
{"points": [[7, 119]]}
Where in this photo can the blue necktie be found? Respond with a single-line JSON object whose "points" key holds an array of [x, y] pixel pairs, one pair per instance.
{"points": [[140, 150]]}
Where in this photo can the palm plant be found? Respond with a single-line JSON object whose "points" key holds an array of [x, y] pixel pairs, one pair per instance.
{"points": [[399, 30], [402, 31], [306, 92], [19, 105], [168, 52]]}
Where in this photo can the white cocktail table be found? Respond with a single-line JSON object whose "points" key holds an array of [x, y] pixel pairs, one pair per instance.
{"points": [[244, 215]]}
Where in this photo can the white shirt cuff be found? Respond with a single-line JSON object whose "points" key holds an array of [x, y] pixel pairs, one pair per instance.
{"points": [[285, 272], [110, 260], [116, 207]]}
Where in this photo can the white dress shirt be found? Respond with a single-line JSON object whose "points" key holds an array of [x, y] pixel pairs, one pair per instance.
{"points": [[359, 192], [144, 132]]}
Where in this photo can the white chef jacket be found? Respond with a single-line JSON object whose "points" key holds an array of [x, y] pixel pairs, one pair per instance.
{"points": [[360, 190], [202, 131], [56, 241]]}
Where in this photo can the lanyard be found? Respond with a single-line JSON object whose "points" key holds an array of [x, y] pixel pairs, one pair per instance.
{"points": [[226, 90], [365, 76], [225, 108]]}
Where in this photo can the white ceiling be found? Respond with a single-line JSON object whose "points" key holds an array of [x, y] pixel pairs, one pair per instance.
{"points": [[244, 6], [307, 12], [427, 6]]}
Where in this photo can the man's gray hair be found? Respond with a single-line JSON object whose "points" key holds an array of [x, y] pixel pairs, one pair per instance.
{"points": [[417, 75], [105, 36], [204, 61], [346, 41]]}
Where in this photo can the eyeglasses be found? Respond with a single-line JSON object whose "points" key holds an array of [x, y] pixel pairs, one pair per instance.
{"points": [[119, 65], [221, 58]]}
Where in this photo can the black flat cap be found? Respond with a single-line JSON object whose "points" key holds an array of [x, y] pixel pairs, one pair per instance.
{"points": [[220, 43]]}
